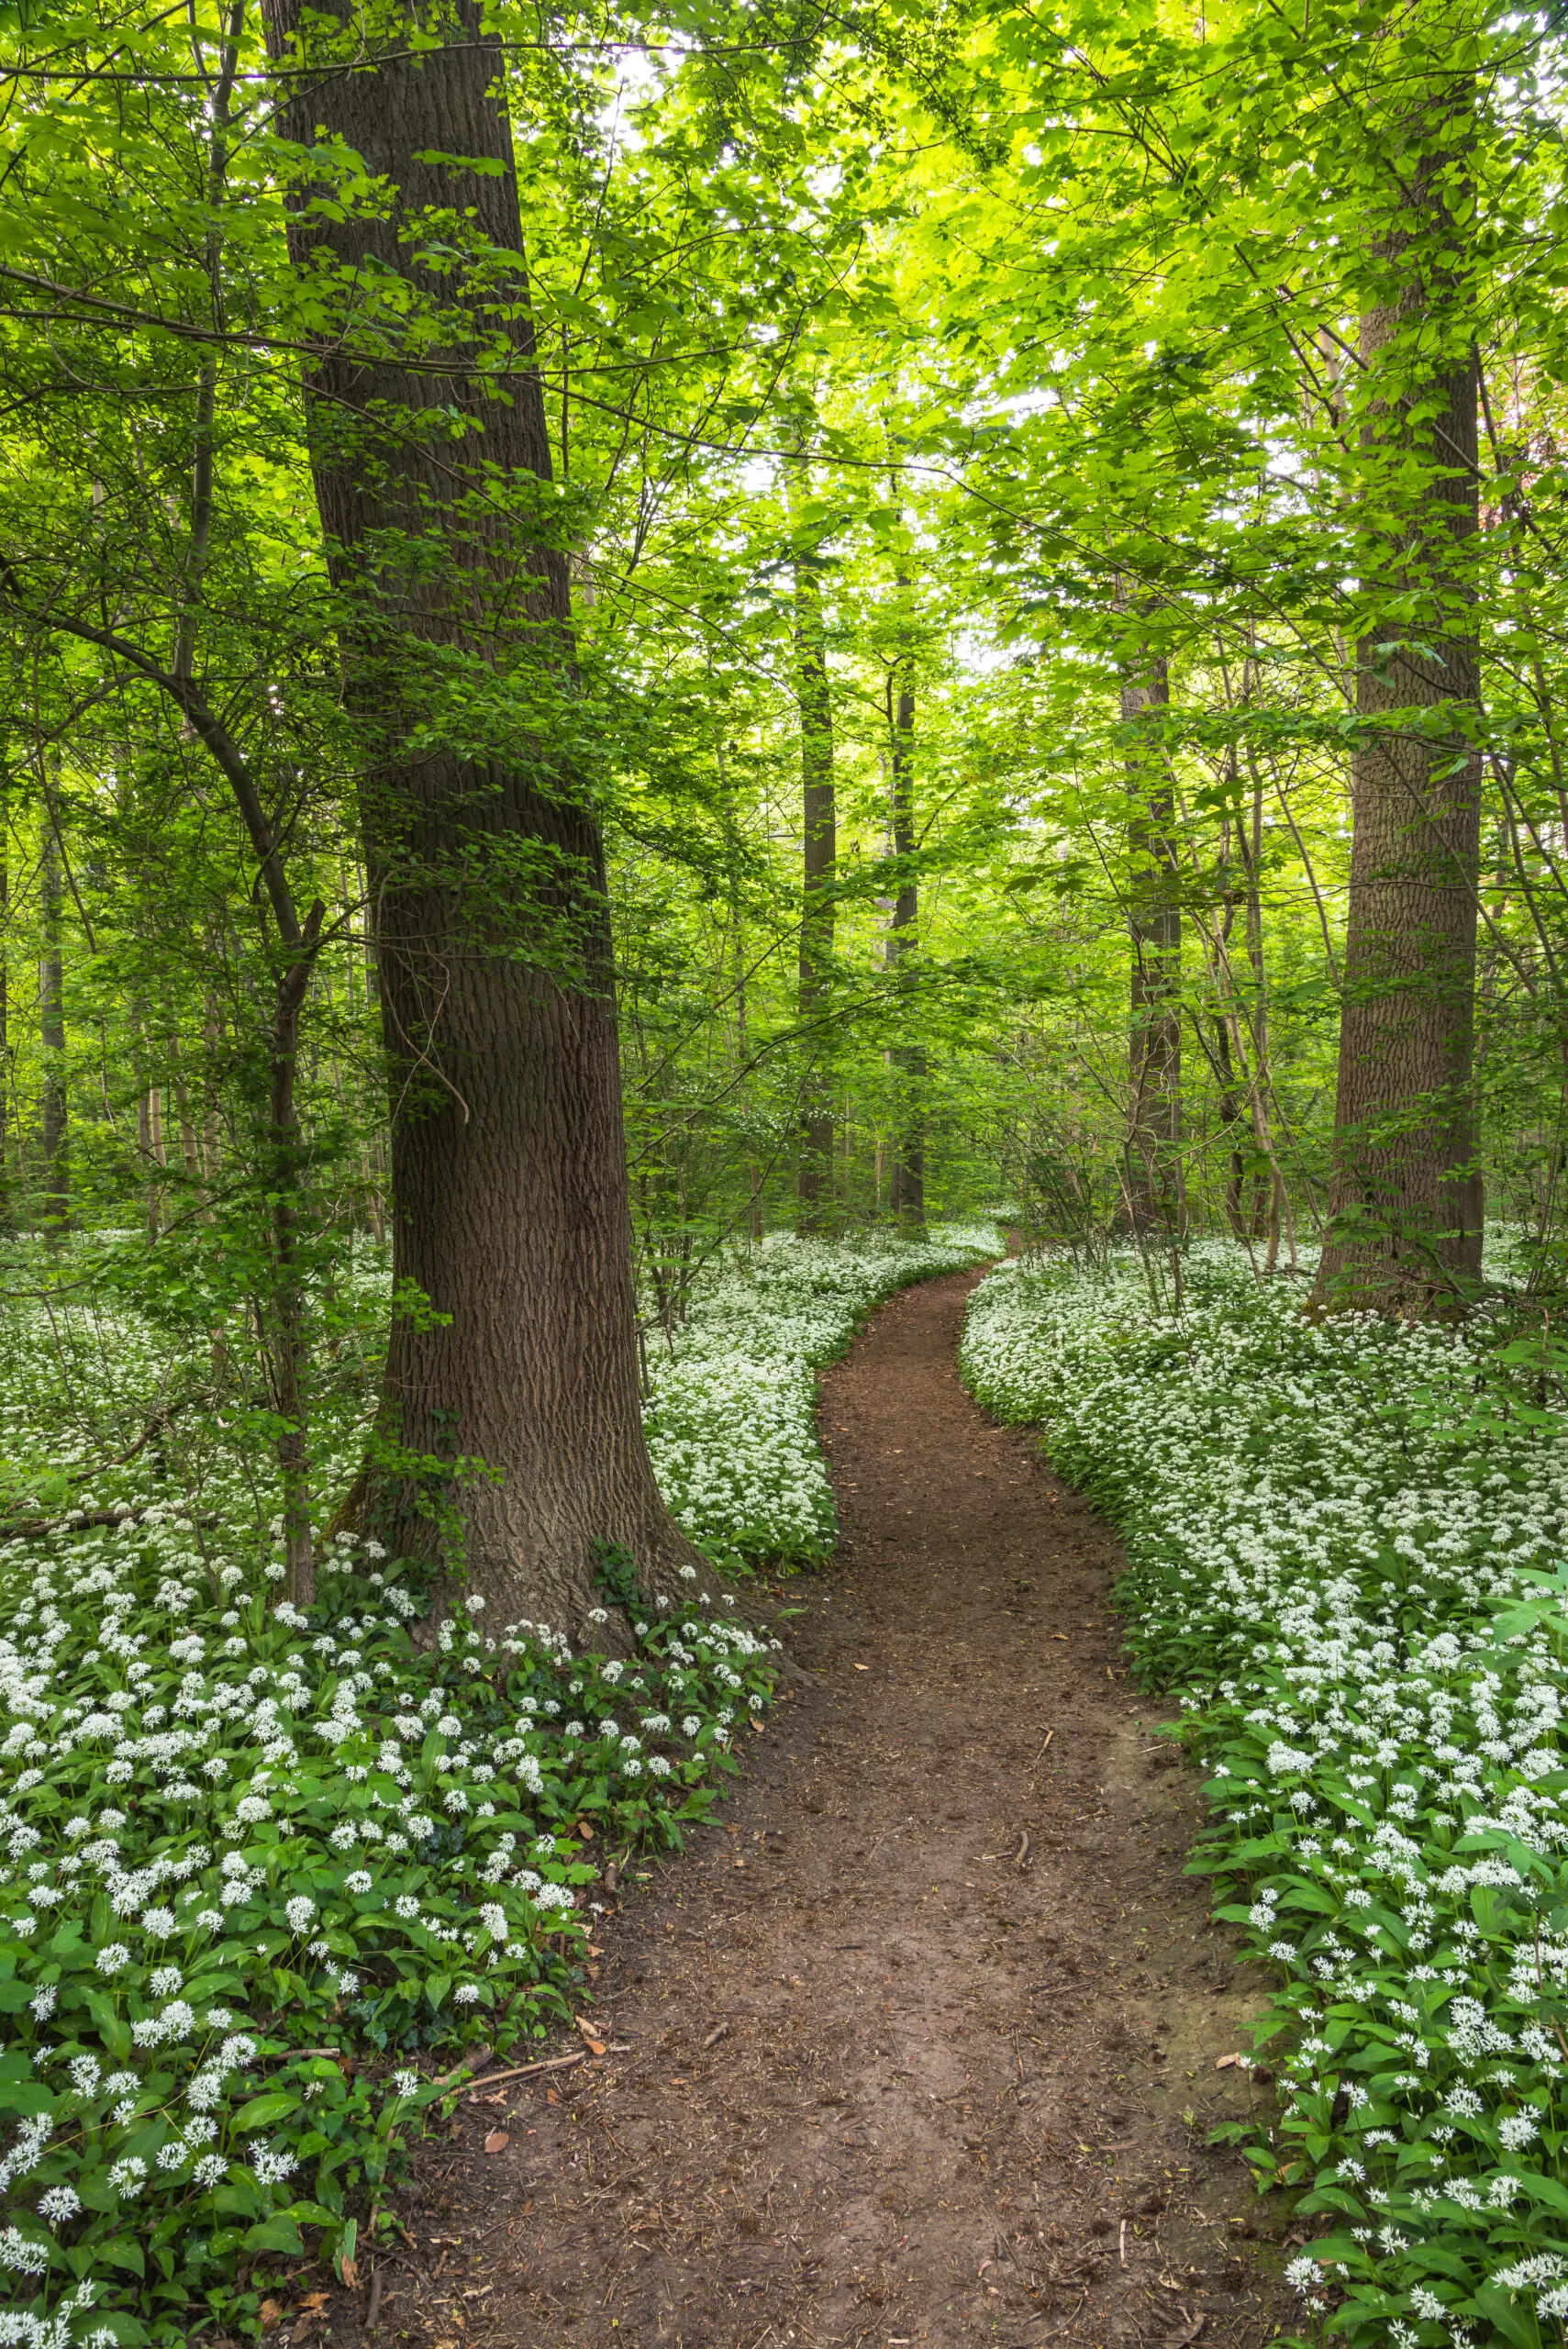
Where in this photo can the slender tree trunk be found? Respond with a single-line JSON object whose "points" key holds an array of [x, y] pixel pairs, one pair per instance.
{"points": [[8, 1193], [1230, 1118], [907, 1181], [214, 1031], [742, 1029], [51, 1030], [1404, 1235], [374, 1155], [819, 862], [1154, 930], [286, 1307], [144, 1154], [510, 1209], [1270, 1193], [149, 1132], [189, 1152], [155, 1141]]}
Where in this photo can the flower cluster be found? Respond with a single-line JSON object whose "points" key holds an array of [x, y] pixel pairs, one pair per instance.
{"points": [[1342, 1565], [222, 1847]]}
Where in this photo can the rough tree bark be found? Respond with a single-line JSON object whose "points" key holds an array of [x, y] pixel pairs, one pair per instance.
{"points": [[1154, 930], [909, 1177], [511, 1208], [1406, 1206], [819, 864]]}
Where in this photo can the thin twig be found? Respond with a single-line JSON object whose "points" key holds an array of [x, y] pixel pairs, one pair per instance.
{"points": [[523, 2071]]}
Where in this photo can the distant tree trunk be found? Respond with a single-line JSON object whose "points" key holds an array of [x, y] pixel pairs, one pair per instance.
{"points": [[511, 1208], [1230, 1119], [148, 1154], [1154, 930], [743, 1056], [213, 1036], [819, 863], [285, 1306], [189, 1152], [907, 1187], [158, 1155], [7, 1196], [1270, 1200], [51, 1030], [1406, 1206]]}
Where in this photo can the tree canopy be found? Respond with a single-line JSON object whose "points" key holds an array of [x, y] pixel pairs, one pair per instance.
{"points": [[988, 581]]}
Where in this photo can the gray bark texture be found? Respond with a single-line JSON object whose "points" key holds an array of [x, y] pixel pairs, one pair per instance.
{"points": [[1406, 1204], [486, 874]]}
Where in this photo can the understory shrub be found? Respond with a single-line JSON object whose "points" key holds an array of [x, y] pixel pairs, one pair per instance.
{"points": [[1345, 1556], [268, 1875]]}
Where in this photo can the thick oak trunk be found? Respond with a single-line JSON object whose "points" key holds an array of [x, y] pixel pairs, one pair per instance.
{"points": [[1407, 1203], [487, 873]]}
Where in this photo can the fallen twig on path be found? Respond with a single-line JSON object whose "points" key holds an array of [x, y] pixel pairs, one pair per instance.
{"points": [[522, 2071]]}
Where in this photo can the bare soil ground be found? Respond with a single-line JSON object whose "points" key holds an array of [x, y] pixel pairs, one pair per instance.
{"points": [[917, 2043]]}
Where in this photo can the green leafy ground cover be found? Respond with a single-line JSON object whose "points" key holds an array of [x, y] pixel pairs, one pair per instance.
{"points": [[1345, 1555], [268, 1875]]}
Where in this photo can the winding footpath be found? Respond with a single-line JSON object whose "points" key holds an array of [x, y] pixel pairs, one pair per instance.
{"points": [[917, 2041]]}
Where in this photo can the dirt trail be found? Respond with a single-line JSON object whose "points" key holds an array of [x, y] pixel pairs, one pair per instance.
{"points": [[920, 2038]]}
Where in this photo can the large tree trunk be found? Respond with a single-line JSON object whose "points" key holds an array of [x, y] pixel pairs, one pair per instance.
{"points": [[510, 1210], [909, 1185], [819, 863], [1406, 1206], [1153, 1179]]}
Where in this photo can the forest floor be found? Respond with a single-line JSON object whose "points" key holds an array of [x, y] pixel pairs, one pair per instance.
{"points": [[920, 2040]]}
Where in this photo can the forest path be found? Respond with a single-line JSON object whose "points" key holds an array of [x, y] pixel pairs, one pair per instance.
{"points": [[893, 2073]]}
